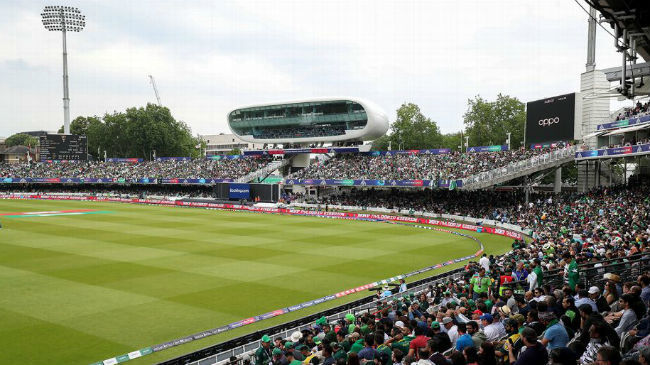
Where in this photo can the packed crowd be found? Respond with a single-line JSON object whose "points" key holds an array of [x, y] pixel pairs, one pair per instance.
{"points": [[481, 321], [632, 112], [579, 293], [497, 205], [165, 191], [413, 167], [190, 169], [300, 132]]}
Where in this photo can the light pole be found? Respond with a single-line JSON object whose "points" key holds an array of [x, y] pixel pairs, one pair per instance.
{"points": [[63, 19], [466, 143], [508, 140]]}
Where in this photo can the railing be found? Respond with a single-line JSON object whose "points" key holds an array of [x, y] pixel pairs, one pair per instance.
{"points": [[589, 276], [628, 270], [519, 168], [221, 353], [264, 171]]}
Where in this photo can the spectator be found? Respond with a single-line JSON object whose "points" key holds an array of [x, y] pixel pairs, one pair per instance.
{"points": [[555, 335], [535, 353]]}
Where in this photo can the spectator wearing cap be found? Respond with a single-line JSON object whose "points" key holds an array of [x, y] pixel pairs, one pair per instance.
{"points": [[263, 354], [476, 315], [291, 359], [357, 344], [305, 353], [601, 302], [451, 329], [447, 298], [555, 335], [339, 351], [435, 327], [350, 322], [278, 357], [489, 328], [478, 336], [480, 284], [535, 353]]}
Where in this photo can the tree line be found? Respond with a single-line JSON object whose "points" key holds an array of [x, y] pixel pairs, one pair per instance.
{"points": [[138, 132], [486, 123]]}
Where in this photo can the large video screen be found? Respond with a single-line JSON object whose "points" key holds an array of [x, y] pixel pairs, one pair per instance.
{"points": [[551, 119], [63, 147]]}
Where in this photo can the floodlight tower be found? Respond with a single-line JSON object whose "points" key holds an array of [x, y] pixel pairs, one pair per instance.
{"points": [[63, 19]]}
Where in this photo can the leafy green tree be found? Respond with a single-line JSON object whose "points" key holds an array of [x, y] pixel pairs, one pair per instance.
{"points": [[137, 132], [234, 151], [21, 139], [487, 122], [452, 141], [413, 130], [381, 143]]}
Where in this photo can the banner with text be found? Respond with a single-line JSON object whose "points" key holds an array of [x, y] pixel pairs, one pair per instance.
{"points": [[641, 149], [488, 148], [239, 191]]}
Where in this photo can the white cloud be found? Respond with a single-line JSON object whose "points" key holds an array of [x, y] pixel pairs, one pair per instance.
{"points": [[209, 57]]}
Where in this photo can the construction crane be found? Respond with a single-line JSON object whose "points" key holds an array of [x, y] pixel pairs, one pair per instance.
{"points": [[155, 89]]}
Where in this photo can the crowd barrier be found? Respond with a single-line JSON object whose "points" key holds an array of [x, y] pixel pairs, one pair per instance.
{"points": [[418, 213]]}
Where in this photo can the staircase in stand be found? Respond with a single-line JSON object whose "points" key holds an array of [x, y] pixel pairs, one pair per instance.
{"points": [[520, 168]]}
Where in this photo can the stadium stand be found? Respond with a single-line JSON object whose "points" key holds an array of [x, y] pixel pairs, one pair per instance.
{"points": [[638, 110], [578, 293], [181, 169], [413, 166], [580, 290]]}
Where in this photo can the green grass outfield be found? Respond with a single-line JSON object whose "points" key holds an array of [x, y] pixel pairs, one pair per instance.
{"points": [[83, 288]]}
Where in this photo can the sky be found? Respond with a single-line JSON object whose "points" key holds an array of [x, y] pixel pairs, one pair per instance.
{"points": [[209, 57]]}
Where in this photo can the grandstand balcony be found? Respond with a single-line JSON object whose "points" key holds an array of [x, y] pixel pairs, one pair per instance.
{"points": [[309, 121], [518, 169]]}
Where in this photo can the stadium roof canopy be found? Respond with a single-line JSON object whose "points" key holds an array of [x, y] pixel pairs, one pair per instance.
{"points": [[630, 15]]}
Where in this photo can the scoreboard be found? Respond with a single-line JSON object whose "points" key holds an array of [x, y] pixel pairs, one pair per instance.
{"points": [[63, 147]]}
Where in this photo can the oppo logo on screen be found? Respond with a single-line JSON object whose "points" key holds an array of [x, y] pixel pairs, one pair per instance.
{"points": [[549, 121]]}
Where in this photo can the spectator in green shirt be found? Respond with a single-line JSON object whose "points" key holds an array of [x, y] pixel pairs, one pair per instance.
{"points": [[479, 284]]}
